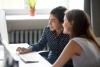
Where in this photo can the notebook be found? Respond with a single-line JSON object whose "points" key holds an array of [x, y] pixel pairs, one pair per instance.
{"points": [[29, 58]]}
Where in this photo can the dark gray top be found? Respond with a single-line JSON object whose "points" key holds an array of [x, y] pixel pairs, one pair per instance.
{"points": [[55, 43]]}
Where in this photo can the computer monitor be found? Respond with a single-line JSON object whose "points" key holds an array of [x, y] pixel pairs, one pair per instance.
{"points": [[3, 26]]}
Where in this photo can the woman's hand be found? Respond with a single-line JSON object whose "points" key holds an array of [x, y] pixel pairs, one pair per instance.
{"points": [[23, 50]]}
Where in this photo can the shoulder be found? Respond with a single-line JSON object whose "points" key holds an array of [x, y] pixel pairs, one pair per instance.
{"points": [[73, 47], [78, 39], [75, 40], [82, 42], [46, 31]]}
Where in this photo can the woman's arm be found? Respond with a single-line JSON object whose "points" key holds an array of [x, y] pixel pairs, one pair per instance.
{"points": [[70, 49], [35, 47], [42, 42]]}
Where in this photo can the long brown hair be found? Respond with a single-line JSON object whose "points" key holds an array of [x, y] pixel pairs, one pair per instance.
{"points": [[81, 26]]}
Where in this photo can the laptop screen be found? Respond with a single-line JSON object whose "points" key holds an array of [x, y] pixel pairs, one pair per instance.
{"points": [[3, 27], [0, 39]]}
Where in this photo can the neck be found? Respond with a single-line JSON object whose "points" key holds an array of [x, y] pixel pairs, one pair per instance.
{"points": [[58, 31]]}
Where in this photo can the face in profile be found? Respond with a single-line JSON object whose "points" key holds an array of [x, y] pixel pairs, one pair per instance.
{"points": [[66, 25], [53, 23]]}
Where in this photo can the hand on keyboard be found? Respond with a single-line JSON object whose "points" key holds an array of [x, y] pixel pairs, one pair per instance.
{"points": [[23, 50]]}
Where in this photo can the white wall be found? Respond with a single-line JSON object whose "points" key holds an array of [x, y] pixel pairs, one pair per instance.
{"points": [[26, 24]]}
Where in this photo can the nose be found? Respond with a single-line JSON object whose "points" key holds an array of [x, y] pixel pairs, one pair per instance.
{"points": [[63, 24], [50, 23]]}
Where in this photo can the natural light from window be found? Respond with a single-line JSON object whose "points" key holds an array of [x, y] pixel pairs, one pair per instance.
{"points": [[41, 4], [76, 4], [12, 4]]}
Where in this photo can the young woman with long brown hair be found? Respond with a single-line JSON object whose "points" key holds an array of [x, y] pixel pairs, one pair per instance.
{"points": [[82, 47]]}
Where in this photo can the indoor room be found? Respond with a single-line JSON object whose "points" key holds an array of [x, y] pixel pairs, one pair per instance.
{"points": [[25, 23]]}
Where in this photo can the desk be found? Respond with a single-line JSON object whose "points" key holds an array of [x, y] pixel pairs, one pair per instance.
{"points": [[12, 54]]}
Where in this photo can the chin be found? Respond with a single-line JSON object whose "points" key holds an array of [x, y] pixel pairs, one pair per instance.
{"points": [[51, 29], [65, 32]]}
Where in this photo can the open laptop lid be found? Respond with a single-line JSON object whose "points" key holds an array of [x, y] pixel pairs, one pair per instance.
{"points": [[0, 39], [3, 26]]}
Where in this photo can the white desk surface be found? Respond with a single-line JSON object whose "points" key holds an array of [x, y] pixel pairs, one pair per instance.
{"points": [[12, 50]]}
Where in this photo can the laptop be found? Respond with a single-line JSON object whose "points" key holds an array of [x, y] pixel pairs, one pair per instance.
{"points": [[3, 33], [27, 58], [3, 26]]}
